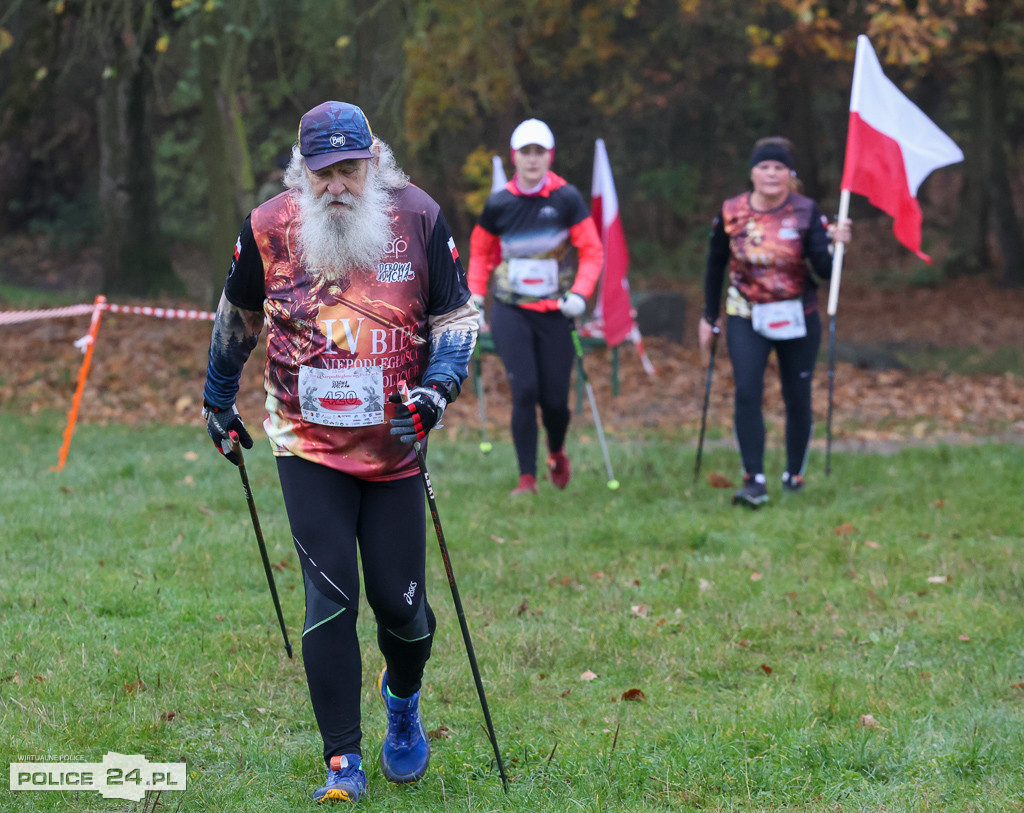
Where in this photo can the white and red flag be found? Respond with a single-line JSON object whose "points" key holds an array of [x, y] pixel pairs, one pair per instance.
{"points": [[614, 307], [498, 177], [613, 301], [891, 147]]}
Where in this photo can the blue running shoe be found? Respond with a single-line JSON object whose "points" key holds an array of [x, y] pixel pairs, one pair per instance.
{"points": [[406, 751], [346, 781]]}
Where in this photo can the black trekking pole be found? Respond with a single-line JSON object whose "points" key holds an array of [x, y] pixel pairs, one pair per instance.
{"points": [[263, 546], [715, 330], [613, 484], [458, 609], [456, 600]]}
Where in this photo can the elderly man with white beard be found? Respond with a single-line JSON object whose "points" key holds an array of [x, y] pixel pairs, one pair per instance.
{"points": [[355, 274]]}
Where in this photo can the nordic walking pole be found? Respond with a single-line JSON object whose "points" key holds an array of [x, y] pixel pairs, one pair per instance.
{"points": [[478, 387], [421, 460], [715, 330], [833, 301], [262, 544], [613, 484]]}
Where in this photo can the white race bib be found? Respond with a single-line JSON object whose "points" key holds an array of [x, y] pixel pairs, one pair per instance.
{"points": [[353, 397], [779, 320], [533, 277]]}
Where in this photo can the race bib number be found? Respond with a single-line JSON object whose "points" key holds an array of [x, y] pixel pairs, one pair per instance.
{"points": [[532, 277], [779, 320], [352, 397]]}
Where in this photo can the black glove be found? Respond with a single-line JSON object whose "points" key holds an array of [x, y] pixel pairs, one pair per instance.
{"points": [[226, 428], [419, 414]]}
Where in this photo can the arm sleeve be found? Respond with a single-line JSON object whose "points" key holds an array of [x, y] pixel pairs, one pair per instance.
{"points": [[484, 255], [235, 333], [714, 273], [452, 319], [591, 256], [817, 244]]}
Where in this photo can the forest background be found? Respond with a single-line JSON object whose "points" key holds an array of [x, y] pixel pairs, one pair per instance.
{"points": [[142, 131]]}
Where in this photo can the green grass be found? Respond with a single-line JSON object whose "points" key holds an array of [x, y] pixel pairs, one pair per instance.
{"points": [[135, 617]]}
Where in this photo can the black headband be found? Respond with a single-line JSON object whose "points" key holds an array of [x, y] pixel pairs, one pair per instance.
{"points": [[771, 152]]}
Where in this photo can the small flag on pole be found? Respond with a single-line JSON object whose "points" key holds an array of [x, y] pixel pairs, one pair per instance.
{"points": [[614, 307], [498, 179], [891, 147], [613, 302]]}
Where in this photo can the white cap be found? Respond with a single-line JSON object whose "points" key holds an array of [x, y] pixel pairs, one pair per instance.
{"points": [[533, 131]]}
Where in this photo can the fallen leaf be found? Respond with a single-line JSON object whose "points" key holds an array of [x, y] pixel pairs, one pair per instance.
{"points": [[634, 695], [588, 675], [964, 638], [868, 721], [869, 544], [499, 539], [640, 610], [743, 642], [766, 668], [439, 733], [134, 686], [1017, 686], [191, 456], [845, 529], [718, 480], [167, 716], [756, 577]]}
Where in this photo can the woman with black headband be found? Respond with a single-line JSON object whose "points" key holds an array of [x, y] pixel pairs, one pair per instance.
{"points": [[771, 238]]}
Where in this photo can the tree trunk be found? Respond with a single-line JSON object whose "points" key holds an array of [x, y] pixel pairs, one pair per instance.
{"points": [[136, 260], [986, 198], [223, 209], [1005, 223]]}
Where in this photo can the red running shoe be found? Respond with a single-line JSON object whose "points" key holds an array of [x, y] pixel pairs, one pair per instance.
{"points": [[527, 485], [558, 465]]}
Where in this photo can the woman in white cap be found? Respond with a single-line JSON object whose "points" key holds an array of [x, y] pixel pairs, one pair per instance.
{"points": [[524, 240]]}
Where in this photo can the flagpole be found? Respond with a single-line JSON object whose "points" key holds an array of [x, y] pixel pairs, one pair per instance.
{"points": [[838, 250]]}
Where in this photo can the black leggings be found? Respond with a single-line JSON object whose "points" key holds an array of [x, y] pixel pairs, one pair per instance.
{"points": [[748, 352], [331, 513], [538, 353]]}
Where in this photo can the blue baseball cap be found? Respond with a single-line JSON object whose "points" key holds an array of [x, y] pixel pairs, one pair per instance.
{"points": [[332, 132]]}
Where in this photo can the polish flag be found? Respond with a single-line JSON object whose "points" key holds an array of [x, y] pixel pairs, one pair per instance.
{"points": [[613, 301], [498, 178], [891, 147]]}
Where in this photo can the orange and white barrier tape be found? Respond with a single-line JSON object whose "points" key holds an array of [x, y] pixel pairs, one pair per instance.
{"points": [[19, 317], [88, 342]]}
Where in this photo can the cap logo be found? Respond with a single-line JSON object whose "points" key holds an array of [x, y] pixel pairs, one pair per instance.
{"points": [[337, 140]]}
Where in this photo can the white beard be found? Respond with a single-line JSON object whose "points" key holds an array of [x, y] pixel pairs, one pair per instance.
{"points": [[334, 243]]}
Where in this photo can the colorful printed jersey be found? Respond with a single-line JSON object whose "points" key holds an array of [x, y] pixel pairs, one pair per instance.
{"points": [[526, 241], [767, 253], [337, 350]]}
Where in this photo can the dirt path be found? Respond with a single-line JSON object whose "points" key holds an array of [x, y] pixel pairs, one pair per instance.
{"points": [[148, 369]]}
